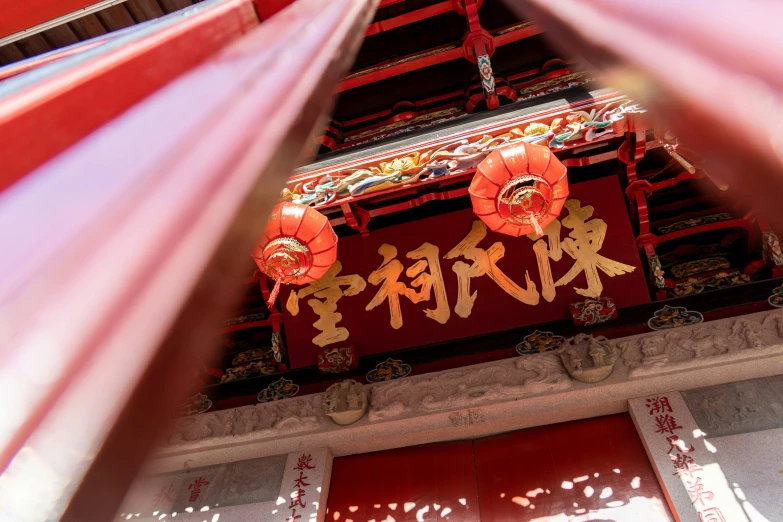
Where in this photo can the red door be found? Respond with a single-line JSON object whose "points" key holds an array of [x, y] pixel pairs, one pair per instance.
{"points": [[594, 469]]}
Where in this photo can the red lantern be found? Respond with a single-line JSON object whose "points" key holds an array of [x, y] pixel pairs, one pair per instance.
{"points": [[298, 246], [520, 189]]}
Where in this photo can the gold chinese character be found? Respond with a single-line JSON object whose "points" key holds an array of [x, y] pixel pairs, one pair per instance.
{"points": [[582, 244], [328, 288], [484, 263], [391, 288], [544, 251]]}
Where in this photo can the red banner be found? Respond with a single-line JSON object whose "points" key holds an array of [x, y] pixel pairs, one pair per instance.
{"points": [[448, 277]]}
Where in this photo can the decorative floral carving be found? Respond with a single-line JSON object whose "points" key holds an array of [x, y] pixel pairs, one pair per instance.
{"points": [[199, 403], [697, 285], [656, 271], [280, 389], [256, 354], [485, 71], [278, 347], [270, 419], [593, 311], [248, 371], [673, 317], [689, 346], [249, 318], [772, 253], [574, 128], [466, 391], [694, 222], [699, 266], [776, 299], [336, 360], [539, 342], [388, 370], [463, 388]]}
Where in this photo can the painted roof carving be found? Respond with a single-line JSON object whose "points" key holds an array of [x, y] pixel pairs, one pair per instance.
{"points": [[574, 128]]}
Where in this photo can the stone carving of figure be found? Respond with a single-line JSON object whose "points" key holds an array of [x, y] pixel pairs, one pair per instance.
{"points": [[597, 353], [778, 321], [708, 405], [653, 350], [575, 358], [345, 402], [744, 333], [747, 408]]}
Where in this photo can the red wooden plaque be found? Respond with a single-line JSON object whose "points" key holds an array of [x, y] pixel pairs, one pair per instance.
{"points": [[493, 309]]}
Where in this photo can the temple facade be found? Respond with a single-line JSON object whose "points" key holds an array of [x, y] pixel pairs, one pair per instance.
{"points": [[495, 288]]}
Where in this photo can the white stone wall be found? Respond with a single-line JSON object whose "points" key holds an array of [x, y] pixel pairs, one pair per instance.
{"points": [[707, 474], [753, 466], [257, 490]]}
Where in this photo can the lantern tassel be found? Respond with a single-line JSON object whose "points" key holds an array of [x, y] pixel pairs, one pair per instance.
{"points": [[537, 226], [273, 296]]}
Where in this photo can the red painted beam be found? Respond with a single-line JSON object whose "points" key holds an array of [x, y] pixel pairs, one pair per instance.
{"points": [[382, 72], [121, 256], [520, 33], [267, 8], [424, 59], [409, 18], [76, 102], [18, 15]]}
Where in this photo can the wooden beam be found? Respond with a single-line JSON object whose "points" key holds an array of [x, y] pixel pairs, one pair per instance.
{"points": [[143, 10], [115, 17], [77, 101], [425, 59], [409, 18], [88, 26], [124, 253]]}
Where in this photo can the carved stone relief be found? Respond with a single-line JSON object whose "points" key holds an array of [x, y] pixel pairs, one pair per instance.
{"points": [[716, 341], [278, 418], [230, 484], [587, 358], [458, 389], [345, 402], [464, 391], [739, 407]]}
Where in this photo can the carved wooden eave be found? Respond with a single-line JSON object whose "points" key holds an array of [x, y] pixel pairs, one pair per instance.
{"points": [[415, 159], [486, 399]]}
